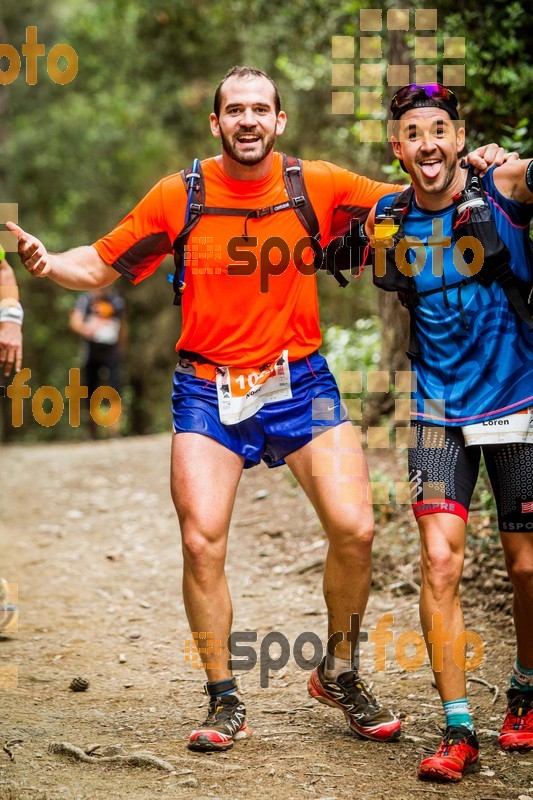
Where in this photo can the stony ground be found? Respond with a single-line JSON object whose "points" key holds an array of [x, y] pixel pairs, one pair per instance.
{"points": [[88, 534]]}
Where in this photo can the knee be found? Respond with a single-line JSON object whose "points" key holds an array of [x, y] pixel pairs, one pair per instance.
{"points": [[196, 546], [520, 570], [202, 543], [348, 538], [364, 535], [441, 569]]}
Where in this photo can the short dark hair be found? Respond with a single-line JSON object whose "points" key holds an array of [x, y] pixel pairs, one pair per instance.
{"points": [[244, 72]]}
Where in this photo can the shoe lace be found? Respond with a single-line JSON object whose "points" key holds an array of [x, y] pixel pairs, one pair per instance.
{"points": [[359, 693], [520, 708], [219, 711], [454, 739]]}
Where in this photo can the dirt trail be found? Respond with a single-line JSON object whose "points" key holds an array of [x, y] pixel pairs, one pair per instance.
{"points": [[88, 533]]}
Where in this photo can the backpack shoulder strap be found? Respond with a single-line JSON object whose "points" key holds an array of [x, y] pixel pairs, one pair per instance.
{"points": [[402, 201], [403, 285], [193, 180], [293, 176], [474, 217], [295, 185]]}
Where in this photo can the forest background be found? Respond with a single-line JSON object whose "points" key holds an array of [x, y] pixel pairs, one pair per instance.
{"points": [[76, 157]]}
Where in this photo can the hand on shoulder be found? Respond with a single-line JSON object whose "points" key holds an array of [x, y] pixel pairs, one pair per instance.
{"points": [[510, 180]]}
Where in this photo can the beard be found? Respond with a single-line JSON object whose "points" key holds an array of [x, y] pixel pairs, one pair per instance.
{"points": [[258, 151], [444, 180]]}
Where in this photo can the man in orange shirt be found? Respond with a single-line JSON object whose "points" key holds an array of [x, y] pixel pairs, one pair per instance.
{"points": [[250, 383]]}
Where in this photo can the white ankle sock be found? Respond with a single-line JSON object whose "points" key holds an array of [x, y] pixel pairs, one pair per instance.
{"points": [[340, 665]]}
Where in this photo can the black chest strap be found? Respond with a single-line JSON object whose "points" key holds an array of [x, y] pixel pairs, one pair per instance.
{"points": [[297, 201]]}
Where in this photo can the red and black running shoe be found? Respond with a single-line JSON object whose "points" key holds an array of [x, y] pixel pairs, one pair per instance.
{"points": [[457, 755], [365, 716], [517, 728], [225, 723]]}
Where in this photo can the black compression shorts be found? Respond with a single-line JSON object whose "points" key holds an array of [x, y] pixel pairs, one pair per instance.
{"points": [[443, 473]]}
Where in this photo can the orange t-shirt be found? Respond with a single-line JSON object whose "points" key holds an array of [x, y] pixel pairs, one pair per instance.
{"points": [[240, 320]]}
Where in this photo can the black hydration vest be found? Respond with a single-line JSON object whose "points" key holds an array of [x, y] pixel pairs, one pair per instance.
{"points": [[344, 252], [472, 218]]}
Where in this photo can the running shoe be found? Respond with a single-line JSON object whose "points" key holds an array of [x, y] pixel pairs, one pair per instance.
{"points": [[364, 715], [8, 609], [225, 723], [457, 755], [517, 728]]}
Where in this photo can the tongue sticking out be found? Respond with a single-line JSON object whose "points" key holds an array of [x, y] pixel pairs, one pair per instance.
{"points": [[431, 170]]}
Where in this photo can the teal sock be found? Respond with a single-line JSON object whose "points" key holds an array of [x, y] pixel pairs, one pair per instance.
{"points": [[457, 714], [521, 678]]}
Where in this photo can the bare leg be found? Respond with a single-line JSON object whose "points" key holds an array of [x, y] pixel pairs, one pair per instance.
{"points": [[204, 480], [443, 539], [332, 471], [518, 549]]}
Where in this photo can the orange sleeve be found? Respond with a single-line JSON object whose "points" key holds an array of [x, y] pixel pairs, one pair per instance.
{"points": [[356, 195], [339, 196], [140, 242]]}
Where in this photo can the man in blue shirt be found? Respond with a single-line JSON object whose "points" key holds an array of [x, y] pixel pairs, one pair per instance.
{"points": [[473, 361]]}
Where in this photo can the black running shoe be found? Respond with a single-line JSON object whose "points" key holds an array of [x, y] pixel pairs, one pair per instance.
{"points": [[365, 716], [225, 723]]}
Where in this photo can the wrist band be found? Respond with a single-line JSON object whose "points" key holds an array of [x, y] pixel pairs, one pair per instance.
{"points": [[529, 176], [12, 314]]}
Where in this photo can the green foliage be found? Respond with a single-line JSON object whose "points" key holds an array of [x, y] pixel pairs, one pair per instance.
{"points": [[483, 493], [394, 172], [353, 349]]}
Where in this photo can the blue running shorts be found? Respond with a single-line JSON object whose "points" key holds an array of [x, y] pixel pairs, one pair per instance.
{"points": [[277, 429]]}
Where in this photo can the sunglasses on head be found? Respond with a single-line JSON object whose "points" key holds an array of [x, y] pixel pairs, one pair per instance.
{"points": [[433, 91]]}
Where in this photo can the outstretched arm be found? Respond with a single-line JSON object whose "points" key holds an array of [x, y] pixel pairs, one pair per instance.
{"points": [[80, 268]]}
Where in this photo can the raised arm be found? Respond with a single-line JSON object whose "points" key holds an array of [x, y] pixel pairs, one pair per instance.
{"points": [[80, 268]]}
